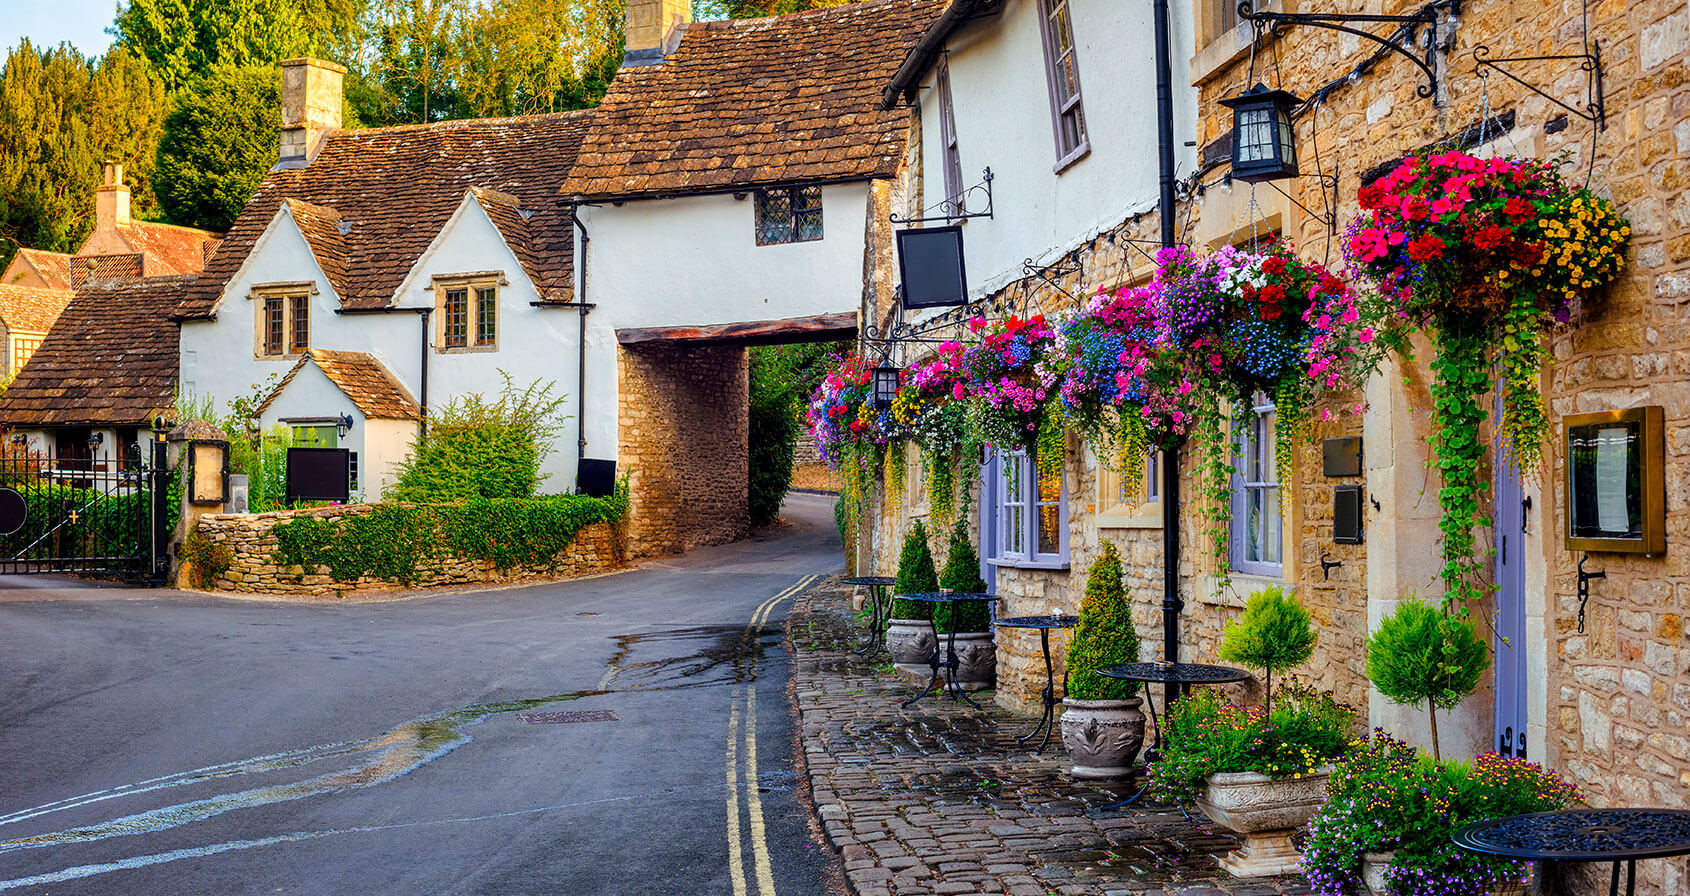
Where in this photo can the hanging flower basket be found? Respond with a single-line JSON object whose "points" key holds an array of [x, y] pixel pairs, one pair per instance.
{"points": [[1008, 391], [930, 411]]}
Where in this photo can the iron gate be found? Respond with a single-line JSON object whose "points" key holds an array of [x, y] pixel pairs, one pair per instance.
{"points": [[85, 515]]}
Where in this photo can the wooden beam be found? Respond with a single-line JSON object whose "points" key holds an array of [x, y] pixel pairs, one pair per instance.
{"points": [[820, 328]]}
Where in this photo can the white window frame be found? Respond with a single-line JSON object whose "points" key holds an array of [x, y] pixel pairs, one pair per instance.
{"points": [[1013, 504], [1257, 473], [1066, 153]]}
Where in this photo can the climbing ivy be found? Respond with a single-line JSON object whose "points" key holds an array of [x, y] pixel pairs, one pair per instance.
{"points": [[1461, 378]]}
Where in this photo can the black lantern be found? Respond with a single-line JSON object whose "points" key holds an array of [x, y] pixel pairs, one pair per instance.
{"points": [[1263, 144], [343, 425], [885, 385]]}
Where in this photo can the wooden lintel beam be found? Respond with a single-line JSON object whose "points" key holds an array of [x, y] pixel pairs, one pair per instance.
{"points": [[768, 332]]}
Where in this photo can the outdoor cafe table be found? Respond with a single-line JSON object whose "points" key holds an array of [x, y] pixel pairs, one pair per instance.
{"points": [[951, 661], [1584, 835], [1182, 675], [1044, 624], [880, 608]]}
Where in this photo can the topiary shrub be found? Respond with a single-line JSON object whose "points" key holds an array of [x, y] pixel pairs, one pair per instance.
{"points": [[1105, 636], [962, 575], [915, 575], [1422, 654], [1274, 634]]}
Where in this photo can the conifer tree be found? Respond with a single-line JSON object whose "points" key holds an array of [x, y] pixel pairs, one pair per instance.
{"points": [[1422, 655], [962, 575], [915, 575], [1106, 635]]}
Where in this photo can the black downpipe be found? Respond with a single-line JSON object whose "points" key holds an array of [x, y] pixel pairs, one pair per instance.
{"points": [[423, 315], [581, 345], [1171, 603]]}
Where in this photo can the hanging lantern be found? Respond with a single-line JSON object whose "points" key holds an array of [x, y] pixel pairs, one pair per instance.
{"points": [[885, 386], [1264, 147]]}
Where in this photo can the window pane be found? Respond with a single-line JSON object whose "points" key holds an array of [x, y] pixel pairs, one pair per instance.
{"points": [[1068, 82], [1271, 540], [273, 326], [486, 315], [810, 224], [300, 335], [457, 318], [774, 217], [1061, 30]]}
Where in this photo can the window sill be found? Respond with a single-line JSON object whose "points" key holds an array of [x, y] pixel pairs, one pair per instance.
{"points": [[295, 356], [1057, 565], [466, 349], [1243, 585], [1079, 152]]}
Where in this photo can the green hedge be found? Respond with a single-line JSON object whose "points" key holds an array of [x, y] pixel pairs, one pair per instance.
{"points": [[392, 541], [110, 526]]}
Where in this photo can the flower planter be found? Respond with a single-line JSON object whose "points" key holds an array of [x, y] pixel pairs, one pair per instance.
{"points": [[1102, 736], [1373, 865], [1266, 811], [910, 642], [977, 660]]}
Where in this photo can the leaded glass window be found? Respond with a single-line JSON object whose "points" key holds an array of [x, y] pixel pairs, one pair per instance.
{"points": [[789, 215]]}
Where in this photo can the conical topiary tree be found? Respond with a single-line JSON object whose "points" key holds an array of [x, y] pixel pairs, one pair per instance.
{"points": [[1105, 636], [962, 575], [1274, 634], [915, 575], [1422, 654]]}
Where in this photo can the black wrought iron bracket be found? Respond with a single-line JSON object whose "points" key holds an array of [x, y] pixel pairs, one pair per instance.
{"points": [[1405, 41], [950, 206], [919, 332], [1328, 199], [1030, 268], [1584, 588], [1595, 109]]}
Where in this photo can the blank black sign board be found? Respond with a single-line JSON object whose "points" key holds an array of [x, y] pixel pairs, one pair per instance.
{"points": [[1346, 514], [319, 474], [930, 267], [596, 477]]}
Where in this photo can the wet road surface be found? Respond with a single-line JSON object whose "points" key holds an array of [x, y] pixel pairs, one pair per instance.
{"points": [[627, 734]]}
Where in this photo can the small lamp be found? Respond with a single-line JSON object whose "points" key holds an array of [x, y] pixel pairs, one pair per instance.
{"points": [[19, 439], [95, 440], [1264, 146], [885, 386], [343, 425]]}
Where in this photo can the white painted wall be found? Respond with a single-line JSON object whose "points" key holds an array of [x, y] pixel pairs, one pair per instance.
{"points": [[695, 261], [1003, 121], [380, 443], [219, 357]]}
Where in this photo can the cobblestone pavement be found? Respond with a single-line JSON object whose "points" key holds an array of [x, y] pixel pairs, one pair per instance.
{"points": [[940, 799]]}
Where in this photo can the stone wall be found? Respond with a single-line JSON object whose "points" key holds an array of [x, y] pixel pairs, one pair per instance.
{"points": [[597, 548], [683, 431]]}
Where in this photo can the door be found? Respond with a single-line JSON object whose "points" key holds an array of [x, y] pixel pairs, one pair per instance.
{"points": [[1509, 648]]}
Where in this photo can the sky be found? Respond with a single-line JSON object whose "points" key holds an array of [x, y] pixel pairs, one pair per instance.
{"points": [[47, 22]]}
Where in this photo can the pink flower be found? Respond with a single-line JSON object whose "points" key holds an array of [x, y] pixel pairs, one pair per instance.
{"points": [[1366, 334]]}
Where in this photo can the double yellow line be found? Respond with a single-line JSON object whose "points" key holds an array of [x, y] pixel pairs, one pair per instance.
{"points": [[742, 741]]}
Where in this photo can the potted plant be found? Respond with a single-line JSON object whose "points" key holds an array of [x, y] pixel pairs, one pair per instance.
{"points": [[1260, 771], [1102, 727], [1421, 654], [909, 634], [1391, 812], [971, 620]]}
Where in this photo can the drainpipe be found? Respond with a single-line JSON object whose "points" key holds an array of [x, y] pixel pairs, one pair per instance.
{"points": [[581, 338], [1171, 603], [422, 399]]}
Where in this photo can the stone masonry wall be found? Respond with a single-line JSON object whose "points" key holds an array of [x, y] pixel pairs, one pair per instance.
{"points": [[683, 432], [597, 548]]}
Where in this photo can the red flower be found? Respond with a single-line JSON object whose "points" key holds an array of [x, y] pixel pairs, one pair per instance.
{"points": [[1526, 252], [1331, 285], [1272, 294], [1425, 248], [1415, 210], [1273, 266], [1492, 237], [1519, 209], [857, 426], [1370, 195], [1270, 311], [1014, 324]]}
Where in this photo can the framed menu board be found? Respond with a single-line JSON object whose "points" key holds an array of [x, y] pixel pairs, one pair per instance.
{"points": [[1616, 485]]}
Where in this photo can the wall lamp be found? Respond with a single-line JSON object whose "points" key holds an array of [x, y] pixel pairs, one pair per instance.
{"points": [[343, 425]]}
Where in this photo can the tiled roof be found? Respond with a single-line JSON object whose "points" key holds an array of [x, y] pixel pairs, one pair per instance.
{"points": [[361, 377], [321, 228], [788, 99], [396, 187], [110, 359], [168, 249], [53, 267], [26, 309], [506, 213]]}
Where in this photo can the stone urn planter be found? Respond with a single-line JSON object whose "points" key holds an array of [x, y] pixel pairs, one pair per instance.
{"points": [[977, 660], [1102, 736], [910, 642], [1373, 865], [1266, 811]]}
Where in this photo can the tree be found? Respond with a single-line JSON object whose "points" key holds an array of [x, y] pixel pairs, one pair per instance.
{"points": [[126, 110], [1106, 635], [962, 575], [915, 575], [1421, 654], [773, 433], [1274, 634], [184, 39], [217, 144], [753, 9]]}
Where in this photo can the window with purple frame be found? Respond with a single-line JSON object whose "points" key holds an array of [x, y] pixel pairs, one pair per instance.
{"points": [[1068, 118]]}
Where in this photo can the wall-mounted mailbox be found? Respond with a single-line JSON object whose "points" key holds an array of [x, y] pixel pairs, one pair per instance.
{"points": [[1346, 514], [1341, 457], [1616, 481]]}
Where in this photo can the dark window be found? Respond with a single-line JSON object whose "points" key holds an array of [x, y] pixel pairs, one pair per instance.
{"points": [[789, 215], [954, 204], [1067, 116], [457, 318], [299, 313], [273, 325], [486, 315]]}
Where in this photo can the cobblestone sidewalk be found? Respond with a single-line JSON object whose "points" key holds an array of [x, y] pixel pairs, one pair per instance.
{"points": [[940, 799]]}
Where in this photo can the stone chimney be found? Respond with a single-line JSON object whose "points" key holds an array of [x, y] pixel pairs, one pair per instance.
{"points": [[654, 29], [311, 100], [111, 198]]}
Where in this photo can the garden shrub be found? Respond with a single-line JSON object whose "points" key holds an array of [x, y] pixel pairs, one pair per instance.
{"points": [[475, 448], [915, 575], [207, 559], [773, 436], [1106, 635], [962, 575], [1274, 634], [1421, 654]]}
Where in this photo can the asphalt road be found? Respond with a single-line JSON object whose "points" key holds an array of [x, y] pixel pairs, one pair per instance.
{"points": [[162, 742]]}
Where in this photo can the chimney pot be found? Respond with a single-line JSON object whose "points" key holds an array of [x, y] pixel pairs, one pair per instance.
{"points": [[111, 198], [654, 29], [311, 102]]}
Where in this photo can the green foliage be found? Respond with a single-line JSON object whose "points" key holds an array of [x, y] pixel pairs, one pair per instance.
{"points": [[106, 525], [755, 9], [915, 575], [1106, 635], [962, 575], [1274, 634], [263, 459], [207, 559], [1207, 735], [1387, 797], [773, 431], [393, 541], [1462, 376], [475, 448], [61, 115], [218, 142], [186, 38], [1421, 654]]}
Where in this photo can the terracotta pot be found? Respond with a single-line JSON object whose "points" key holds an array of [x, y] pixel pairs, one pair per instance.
{"points": [[1266, 811], [977, 660], [910, 642], [1102, 736]]}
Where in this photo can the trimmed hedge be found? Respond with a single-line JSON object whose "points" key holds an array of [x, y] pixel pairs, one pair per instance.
{"points": [[392, 541], [108, 526]]}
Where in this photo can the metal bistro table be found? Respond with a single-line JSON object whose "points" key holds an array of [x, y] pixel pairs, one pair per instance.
{"points": [[951, 661], [880, 607], [1044, 624], [1182, 675], [1584, 835]]}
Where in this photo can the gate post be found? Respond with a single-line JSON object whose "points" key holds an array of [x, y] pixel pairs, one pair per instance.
{"points": [[204, 486], [160, 569]]}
